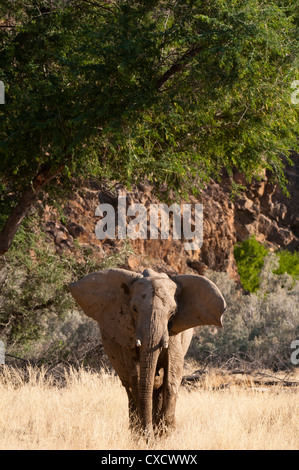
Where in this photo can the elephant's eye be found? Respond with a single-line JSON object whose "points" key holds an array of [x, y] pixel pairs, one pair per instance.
{"points": [[134, 310]]}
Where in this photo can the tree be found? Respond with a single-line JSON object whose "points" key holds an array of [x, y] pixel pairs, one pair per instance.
{"points": [[172, 91]]}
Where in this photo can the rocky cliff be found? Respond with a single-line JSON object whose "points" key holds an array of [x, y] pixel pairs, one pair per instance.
{"points": [[261, 209]]}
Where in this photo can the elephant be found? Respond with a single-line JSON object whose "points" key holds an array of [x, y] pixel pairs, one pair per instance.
{"points": [[146, 323]]}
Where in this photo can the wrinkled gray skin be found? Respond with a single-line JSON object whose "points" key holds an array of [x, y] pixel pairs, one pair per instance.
{"points": [[146, 323]]}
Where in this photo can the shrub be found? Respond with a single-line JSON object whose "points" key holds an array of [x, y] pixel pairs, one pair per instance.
{"points": [[259, 327], [38, 316], [288, 263], [249, 257]]}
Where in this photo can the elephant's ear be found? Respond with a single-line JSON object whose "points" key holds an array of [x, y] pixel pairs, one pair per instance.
{"points": [[200, 302], [105, 297]]}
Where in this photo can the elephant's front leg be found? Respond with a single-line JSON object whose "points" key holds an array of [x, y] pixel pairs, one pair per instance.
{"points": [[158, 393], [172, 382], [157, 408], [134, 421], [126, 364], [131, 361]]}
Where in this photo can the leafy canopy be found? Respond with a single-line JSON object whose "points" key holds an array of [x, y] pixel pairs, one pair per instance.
{"points": [[174, 92]]}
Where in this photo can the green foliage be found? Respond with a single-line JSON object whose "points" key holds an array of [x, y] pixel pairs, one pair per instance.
{"points": [[249, 257], [288, 263], [258, 328], [171, 91], [34, 297], [35, 284]]}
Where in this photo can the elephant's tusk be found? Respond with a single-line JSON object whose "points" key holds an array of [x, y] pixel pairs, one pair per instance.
{"points": [[138, 343]]}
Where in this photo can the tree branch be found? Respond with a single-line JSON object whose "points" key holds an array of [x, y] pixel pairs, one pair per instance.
{"points": [[178, 66], [44, 176]]}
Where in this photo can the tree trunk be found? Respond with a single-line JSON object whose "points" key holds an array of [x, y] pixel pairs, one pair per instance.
{"points": [[28, 198]]}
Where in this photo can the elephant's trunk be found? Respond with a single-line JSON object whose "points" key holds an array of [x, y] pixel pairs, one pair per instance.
{"points": [[148, 363], [153, 336]]}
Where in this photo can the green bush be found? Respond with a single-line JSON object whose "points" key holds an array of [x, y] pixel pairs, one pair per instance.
{"points": [[249, 257], [288, 263], [38, 316], [258, 327]]}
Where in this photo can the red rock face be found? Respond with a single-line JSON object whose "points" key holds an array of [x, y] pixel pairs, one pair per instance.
{"points": [[261, 209]]}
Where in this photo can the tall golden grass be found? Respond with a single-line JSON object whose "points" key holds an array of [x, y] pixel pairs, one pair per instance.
{"points": [[90, 412]]}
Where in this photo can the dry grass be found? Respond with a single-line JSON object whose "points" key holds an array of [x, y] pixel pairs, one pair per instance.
{"points": [[90, 412]]}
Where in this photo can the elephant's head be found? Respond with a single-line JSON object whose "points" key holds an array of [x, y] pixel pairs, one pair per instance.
{"points": [[142, 311], [153, 303]]}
